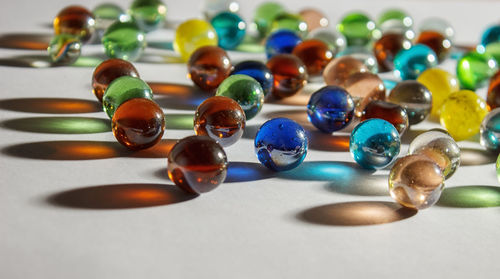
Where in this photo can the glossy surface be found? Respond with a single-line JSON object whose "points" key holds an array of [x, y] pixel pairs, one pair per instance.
{"points": [[490, 131], [246, 91], [462, 113], [438, 24], [230, 29], [339, 69], [281, 144], [334, 39], [288, 21], [289, 73], [124, 40], [392, 113], [138, 123], [106, 13], [208, 66], [197, 164], [108, 71], [264, 16], [364, 88], [493, 97], [416, 182], [313, 18], [490, 35], [315, 55], [441, 84], [281, 42], [363, 54], [387, 47], [148, 14], [437, 42], [257, 70], [410, 63], [192, 34], [330, 109], [475, 69], [389, 19], [122, 89], [220, 118], [64, 49], [75, 20], [358, 29], [213, 7], [414, 97]]}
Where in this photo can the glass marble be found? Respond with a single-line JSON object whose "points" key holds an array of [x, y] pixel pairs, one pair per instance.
{"points": [[107, 13], [264, 16], [475, 69], [281, 41], [288, 21], [148, 14], [213, 7], [490, 131], [289, 73], [208, 66], [108, 71], [364, 88], [64, 49], [220, 118], [493, 97], [122, 89], [330, 109], [414, 97], [313, 18], [315, 55], [138, 123], [363, 54], [389, 19], [490, 35], [387, 47], [124, 40], [410, 63], [281, 144], [230, 29], [498, 167], [437, 42], [193, 34], [358, 29], [416, 182], [462, 113], [339, 69], [392, 113], [440, 147], [75, 20], [335, 40], [374, 143], [257, 70], [441, 84], [197, 164], [246, 91], [439, 25]]}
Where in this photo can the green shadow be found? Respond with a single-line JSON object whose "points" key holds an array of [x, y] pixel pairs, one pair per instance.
{"points": [[59, 125], [179, 121], [470, 197]]}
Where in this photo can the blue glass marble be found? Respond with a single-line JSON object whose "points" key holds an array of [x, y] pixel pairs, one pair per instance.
{"points": [[490, 131], [230, 29], [374, 143], [281, 144], [491, 35], [281, 41], [410, 63], [258, 70], [330, 109]]}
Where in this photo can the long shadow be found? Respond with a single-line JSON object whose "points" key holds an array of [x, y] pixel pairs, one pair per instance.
{"points": [[474, 157], [59, 125], [29, 41], [247, 171], [178, 96], [474, 196], [27, 61], [179, 121], [51, 105], [119, 196]]}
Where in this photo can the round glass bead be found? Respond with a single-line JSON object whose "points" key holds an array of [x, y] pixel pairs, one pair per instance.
{"points": [[75, 20], [122, 89], [64, 49], [289, 73], [148, 14], [313, 18], [257, 70], [290, 22], [246, 91], [392, 18], [410, 63], [197, 164], [281, 41], [490, 131], [213, 7], [339, 69], [230, 29], [220, 118], [108, 71], [192, 34], [414, 97], [374, 143], [281, 144], [437, 42], [493, 97], [138, 123], [491, 35], [475, 69], [335, 40], [330, 109], [124, 40], [441, 84], [208, 66], [364, 88], [358, 29], [416, 182], [387, 47], [315, 55], [107, 13], [363, 54], [264, 16], [439, 25], [392, 113], [462, 113]]}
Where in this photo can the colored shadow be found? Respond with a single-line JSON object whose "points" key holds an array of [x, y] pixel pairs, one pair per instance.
{"points": [[51, 105], [59, 125], [470, 197], [28, 41], [161, 45], [326, 142], [88, 61], [245, 171], [389, 84], [297, 115], [27, 61], [474, 157], [179, 121], [178, 96]]}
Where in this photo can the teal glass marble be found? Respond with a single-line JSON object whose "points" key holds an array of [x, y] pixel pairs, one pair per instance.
{"points": [[124, 40], [358, 29], [246, 91], [363, 54], [264, 16], [211, 8], [410, 63], [64, 49], [122, 89], [490, 131], [334, 39], [148, 14], [230, 29], [290, 22], [475, 69], [491, 35], [374, 143], [107, 13]]}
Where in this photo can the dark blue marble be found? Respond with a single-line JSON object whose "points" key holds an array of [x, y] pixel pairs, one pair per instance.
{"points": [[330, 109], [281, 41]]}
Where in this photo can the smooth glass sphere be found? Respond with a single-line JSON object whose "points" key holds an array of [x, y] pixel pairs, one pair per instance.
{"points": [[75, 20], [122, 89], [230, 29], [334, 39], [438, 24], [410, 63], [107, 72], [490, 131], [193, 34], [281, 42], [288, 21], [64, 49], [315, 55], [363, 54], [330, 109], [358, 29], [124, 40], [338, 71], [390, 112], [493, 97], [441, 84], [257, 70], [314, 18], [475, 69], [364, 88], [208, 66], [490, 35], [211, 8], [387, 47], [289, 73], [394, 17], [437, 42], [265, 14], [148, 14], [246, 91], [281, 144], [414, 97], [107, 13]]}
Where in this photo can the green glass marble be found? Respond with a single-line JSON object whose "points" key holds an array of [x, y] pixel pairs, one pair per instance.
{"points": [[246, 91], [475, 69], [358, 29], [64, 49], [149, 14], [493, 49], [107, 13], [264, 16], [394, 19], [291, 22], [122, 89], [124, 40]]}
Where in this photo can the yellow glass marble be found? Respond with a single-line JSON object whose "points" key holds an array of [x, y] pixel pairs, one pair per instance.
{"points": [[462, 114], [441, 84], [192, 34]]}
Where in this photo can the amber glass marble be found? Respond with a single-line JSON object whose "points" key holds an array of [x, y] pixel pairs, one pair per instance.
{"points": [[493, 97], [437, 42], [138, 123], [208, 66], [386, 48], [108, 71], [339, 69], [364, 87], [414, 97], [289, 73], [392, 113], [313, 18], [197, 164], [315, 54], [220, 118], [75, 20]]}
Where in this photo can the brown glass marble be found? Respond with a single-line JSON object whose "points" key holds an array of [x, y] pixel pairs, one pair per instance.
{"points": [[138, 123], [108, 71], [313, 18], [414, 97], [220, 118], [197, 164], [75, 20], [339, 69], [208, 66], [364, 88], [289, 73], [392, 113], [386, 48], [315, 55], [437, 42], [493, 97]]}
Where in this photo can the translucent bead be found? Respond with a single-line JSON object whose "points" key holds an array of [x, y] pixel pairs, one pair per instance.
{"points": [[107, 13], [75, 20], [358, 29], [246, 91], [122, 89], [230, 29], [314, 18], [490, 131], [437, 42], [490, 35], [64, 49], [387, 47], [281, 42], [107, 72], [208, 66], [264, 16], [124, 40], [330, 109], [192, 34], [414, 97], [475, 69], [211, 8], [394, 17], [441, 84], [259, 71], [315, 55], [364, 88], [410, 63], [363, 54], [440, 25], [148, 14], [335, 40], [339, 69], [493, 97], [392, 113], [289, 73], [290, 22]]}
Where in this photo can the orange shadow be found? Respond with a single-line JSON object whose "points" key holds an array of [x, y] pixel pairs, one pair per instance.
{"points": [[327, 142], [178, 96], [51, 105], [25, 41]]}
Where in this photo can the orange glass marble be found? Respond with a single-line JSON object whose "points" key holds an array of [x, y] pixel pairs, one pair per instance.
{"points": [[208, 66], [75, 20], [313, 18], [339, 69], [386, 48], [138, 123], [315, 55], [108, 71], [437, 42], [364, 88], [493, 97], [220, 118], [289, 73], [392, 113]]}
